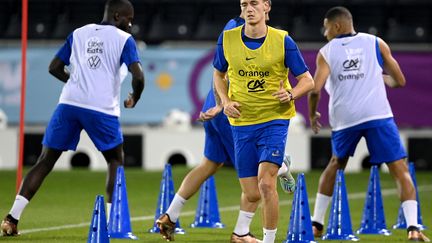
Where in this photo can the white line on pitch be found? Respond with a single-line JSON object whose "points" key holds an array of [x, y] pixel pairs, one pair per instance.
{"points": [[354, 196]]}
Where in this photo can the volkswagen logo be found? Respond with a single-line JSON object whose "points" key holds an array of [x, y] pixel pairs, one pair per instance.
{"points": [[94, 62]]}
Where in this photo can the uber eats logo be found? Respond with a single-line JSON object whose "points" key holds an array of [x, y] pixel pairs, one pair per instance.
{"points": [[256, 81], [94, 47]]}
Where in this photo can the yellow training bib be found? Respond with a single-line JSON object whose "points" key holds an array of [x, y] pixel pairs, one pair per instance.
{"points": [[254, 75]]}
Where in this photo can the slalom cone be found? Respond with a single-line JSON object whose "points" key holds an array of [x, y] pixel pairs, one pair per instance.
{"points": [[119, 225], [98, 232], [401, 222], [300, 226], [207, 213], [339, 226], [166, 195], [373, 220]]}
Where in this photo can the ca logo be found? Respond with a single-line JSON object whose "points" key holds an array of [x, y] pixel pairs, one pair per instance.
{"points": [[351, 64], [256, 85]]}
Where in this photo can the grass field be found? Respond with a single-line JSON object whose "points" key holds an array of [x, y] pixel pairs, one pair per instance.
{"points": [[62, 209]]}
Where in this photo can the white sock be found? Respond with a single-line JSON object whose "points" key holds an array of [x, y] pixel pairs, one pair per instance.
{"points": [[410, 212], [108, 212], [269, 235], [175, 207], [283, 169], [18, 206], [321, 203], [243, 222]]}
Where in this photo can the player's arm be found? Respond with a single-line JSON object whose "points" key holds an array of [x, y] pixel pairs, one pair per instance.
{"points": [[61, 59], [295, 62], [231, 108], [58, 70], [321, 74], [304, 85], [216, 95], [130, 57], [138, 83], [221, 86], [395, 77], [213, 111]]}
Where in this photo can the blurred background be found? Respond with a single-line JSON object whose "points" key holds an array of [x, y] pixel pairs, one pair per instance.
{"points": [[176, 40]]}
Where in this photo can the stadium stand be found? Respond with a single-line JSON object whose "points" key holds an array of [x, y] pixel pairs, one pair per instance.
{"points": [[409, 24], [212, 19], [400, 21], [173, 21]]}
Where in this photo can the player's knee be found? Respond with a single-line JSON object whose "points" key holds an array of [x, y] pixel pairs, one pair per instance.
{"points": [[253, 196], [337, 163], [266, 188]]}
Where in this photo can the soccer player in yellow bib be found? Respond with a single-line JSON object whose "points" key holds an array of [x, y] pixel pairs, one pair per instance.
{"points": [[259, 101]]}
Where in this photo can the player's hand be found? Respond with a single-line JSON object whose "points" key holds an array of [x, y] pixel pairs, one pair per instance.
{"points": [[315, 124], [232, 109], [210, 113], [130, 101], [390, 81], [282, 94]]}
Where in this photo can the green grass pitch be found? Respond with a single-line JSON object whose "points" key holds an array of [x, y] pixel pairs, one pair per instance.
{"points": [[61, 211]]}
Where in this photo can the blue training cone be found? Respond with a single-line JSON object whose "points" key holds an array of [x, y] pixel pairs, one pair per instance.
{"points": [[207, 213], [339, 226], [166, 195], [300, 226], [98, 232], [373, 220], [119, 225], [401, 222]]}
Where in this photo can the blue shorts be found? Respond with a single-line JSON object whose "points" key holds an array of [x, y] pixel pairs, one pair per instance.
{"points": [[382, 139], [219, 145], [64, 128], [259, 143]]}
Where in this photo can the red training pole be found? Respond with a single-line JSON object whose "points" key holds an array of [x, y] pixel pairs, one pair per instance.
{"points": [[24, 26]]}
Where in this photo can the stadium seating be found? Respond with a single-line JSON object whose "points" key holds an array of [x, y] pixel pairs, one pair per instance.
{"points": [[406, 21], [212, 19], [410, 24], [173, 21]]}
